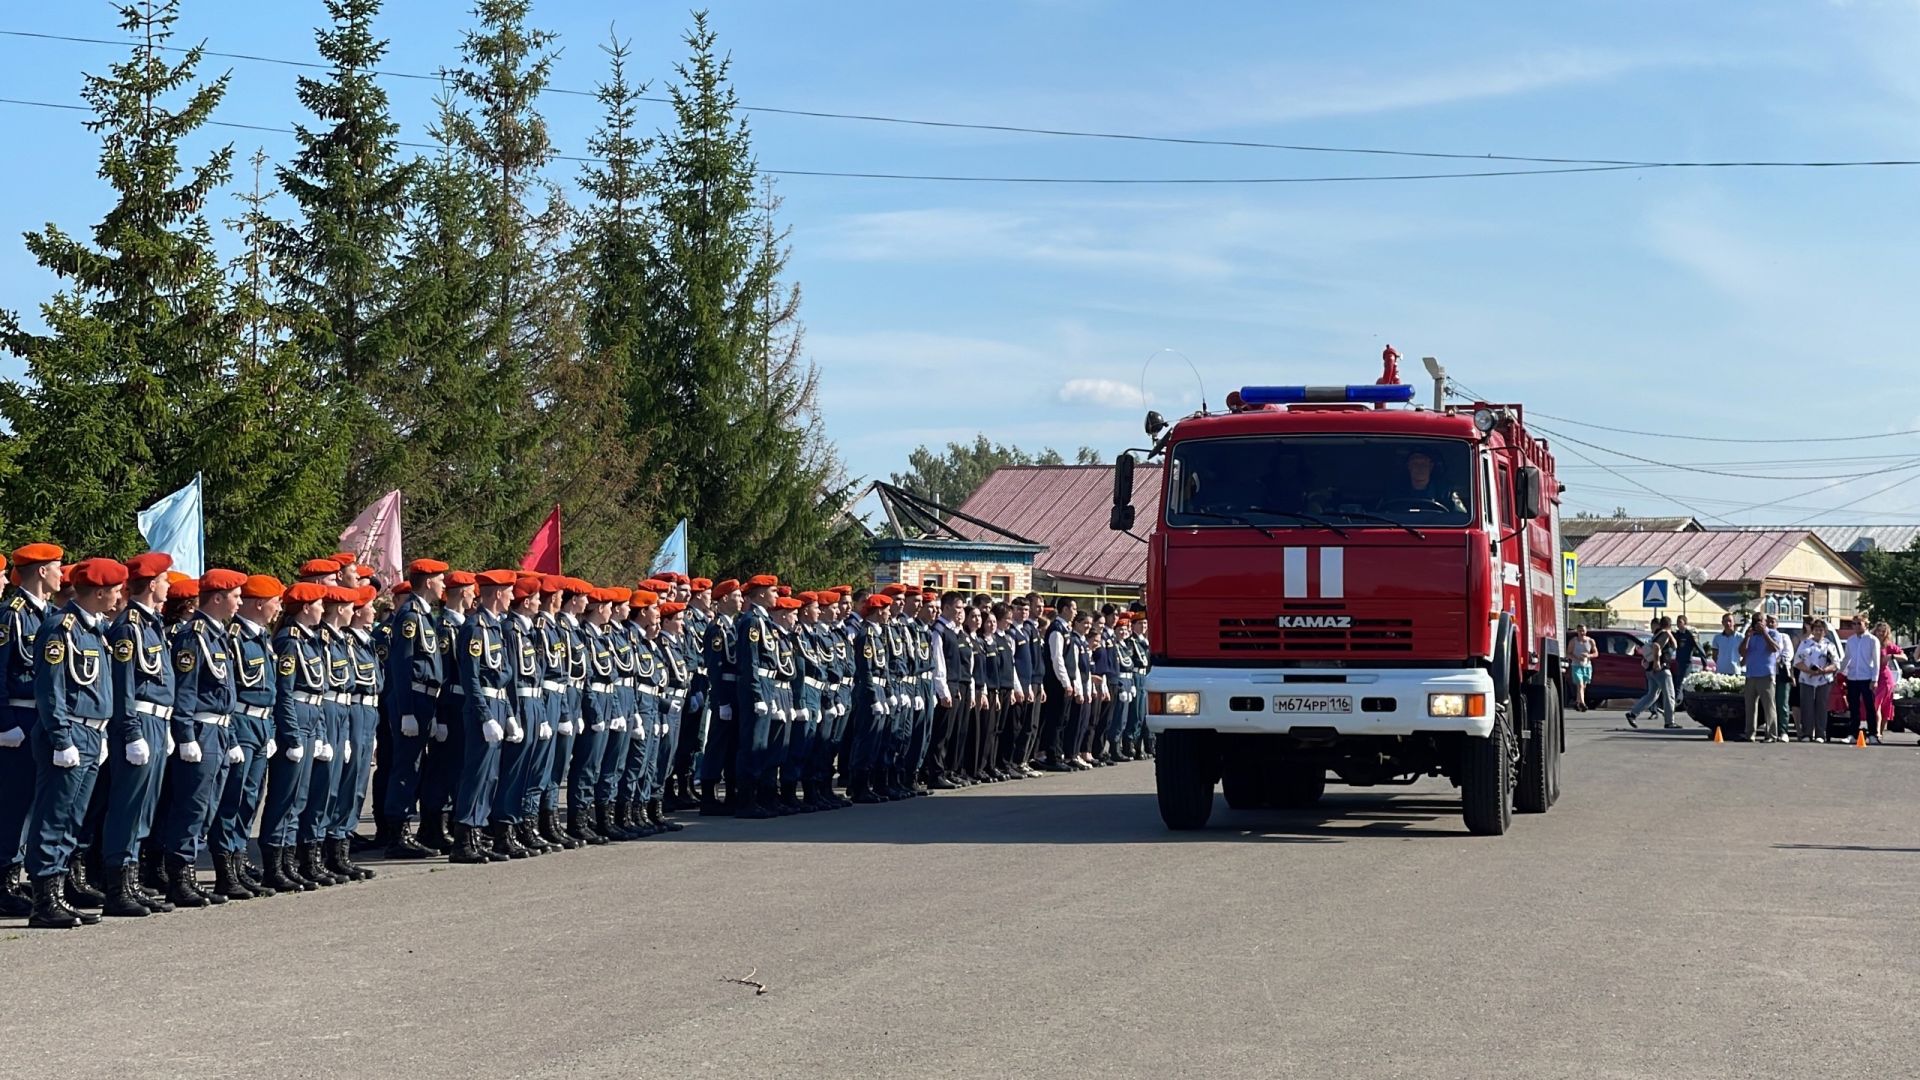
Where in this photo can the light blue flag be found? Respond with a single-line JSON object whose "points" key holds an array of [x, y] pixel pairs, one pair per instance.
{"points": [[174, 525], [673, 552]]}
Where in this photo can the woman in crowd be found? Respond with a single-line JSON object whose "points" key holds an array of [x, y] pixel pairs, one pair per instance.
{"points": [[1890, 657], [1815, 664], [1580, 656], [1656, 658]]}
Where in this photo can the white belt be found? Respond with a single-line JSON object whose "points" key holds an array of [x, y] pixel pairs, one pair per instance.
{"points": [[423, 688], [164, 712], [527, 691], [308, 697], [368, 700], [603, 687], [97, 725], [22, 703], [214, 718], [256, 711], [457, 689], [340, 699], [552, 687], [650, 690], [766, 673], [628, 680], [493, 692], [817, 684]]}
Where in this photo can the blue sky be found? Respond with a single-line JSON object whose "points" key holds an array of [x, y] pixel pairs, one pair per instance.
{"points": [[1763, 304]]}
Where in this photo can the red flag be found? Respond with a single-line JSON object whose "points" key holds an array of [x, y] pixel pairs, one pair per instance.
{"points": [[543, 554]]}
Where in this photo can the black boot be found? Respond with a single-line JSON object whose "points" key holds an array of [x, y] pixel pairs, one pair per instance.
{"points": [[273, 872], [787, 802], [505, 843], [466, 847], [16, 898], [250, 875], [635, 820], [183, 889], [434, 834], [339, 856], [385, 832], [754, 804], [80, 891], [404, 846], [577, 823], [710, 804], [616, 815], [551, 831], [153, 869], [290, 868], [50, 908], [529, 837], [657, 813], [312, 867], [227, 881], [859, 793], [122, 901]]}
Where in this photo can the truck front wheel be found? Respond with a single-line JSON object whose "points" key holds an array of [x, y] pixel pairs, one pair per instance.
{"points": [[1185, 765], [1486, 778]]}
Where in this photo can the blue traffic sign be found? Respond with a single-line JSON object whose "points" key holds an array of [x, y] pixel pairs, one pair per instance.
{"points": [[1653, 593]]}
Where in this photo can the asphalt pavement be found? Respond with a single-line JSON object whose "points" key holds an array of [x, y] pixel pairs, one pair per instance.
{"points": [[1687, 910]]}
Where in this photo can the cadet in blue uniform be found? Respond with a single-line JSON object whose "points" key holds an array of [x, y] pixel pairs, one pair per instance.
{"points": [[814, 658], [73, 692], [254, 695], [202, 660], [693, 725], [329, 738], [138, 741], [1026, 666], [1059, 687], [786, 728], [416, 677], [718, 759], [755, 702], [527, 667], [648, 682], [446, 745], [674, 715], [26, 606], [587, 814], [357, 739], [300, 690], [1080, 665], [486, 680], [569, 672], [1124, 689], [544, 731], [871, 699]]}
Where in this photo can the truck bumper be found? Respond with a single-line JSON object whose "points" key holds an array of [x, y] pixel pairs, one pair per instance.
{"points": [[1388, 701]]}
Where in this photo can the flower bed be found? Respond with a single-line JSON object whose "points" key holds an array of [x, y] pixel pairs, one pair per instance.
{"points": [[1718, 709]]}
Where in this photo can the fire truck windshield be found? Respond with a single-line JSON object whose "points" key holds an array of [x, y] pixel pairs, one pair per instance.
{"points": [[1288, 482]]}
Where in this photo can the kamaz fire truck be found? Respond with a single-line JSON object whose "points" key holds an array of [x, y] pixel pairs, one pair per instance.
{"points": [[1342, 583]]}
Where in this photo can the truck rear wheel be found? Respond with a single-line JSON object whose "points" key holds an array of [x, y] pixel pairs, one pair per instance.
{"points": [[1296, 787], [1539, 753], [1486, 778], [1185, 765]]}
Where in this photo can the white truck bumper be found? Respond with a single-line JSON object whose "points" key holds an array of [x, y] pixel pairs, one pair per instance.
{"points": [[1386, 701]]}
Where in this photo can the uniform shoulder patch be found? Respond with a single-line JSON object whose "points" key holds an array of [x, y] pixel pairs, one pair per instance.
{"points": [[868, 650], [753, 634], [123, 650], [55, 650], [407, 629], [183, 660], [286, 664], [18, 602], [473, 647]]}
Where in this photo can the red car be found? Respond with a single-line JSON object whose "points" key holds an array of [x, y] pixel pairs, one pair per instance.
{"points": [[1616, 665]]}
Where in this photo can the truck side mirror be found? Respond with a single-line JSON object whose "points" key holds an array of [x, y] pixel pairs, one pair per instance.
{"points": [[1122, 517], [1529, 494]]}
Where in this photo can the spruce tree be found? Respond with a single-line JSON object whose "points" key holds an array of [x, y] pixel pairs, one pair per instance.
{"points": [[119, 402]]}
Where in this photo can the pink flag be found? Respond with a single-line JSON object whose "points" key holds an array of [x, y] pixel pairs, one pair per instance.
{"points": [[543, 554], [375, 537]]}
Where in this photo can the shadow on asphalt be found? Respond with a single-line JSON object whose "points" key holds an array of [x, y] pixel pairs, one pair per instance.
{"points": [[1106, 818], [1849, 847]]}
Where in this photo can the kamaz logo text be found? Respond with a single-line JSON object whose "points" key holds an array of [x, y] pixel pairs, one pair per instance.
{"points": [[1315, 622]]}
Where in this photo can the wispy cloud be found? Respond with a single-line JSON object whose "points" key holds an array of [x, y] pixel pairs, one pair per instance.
{"points": [[1106, 393]]}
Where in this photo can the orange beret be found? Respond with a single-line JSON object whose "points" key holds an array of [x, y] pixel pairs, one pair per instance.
{"points": [[38, 553], [644, 598], [426, 567], [843, 590], [526, 587], [220, 579], [367, 594], [763, 581], [186, 589], [700, 584], [930, 596], [655, 585], [262, 587], [877, 601], [496, 577], [319, 568], [338, 595], [787, 603], [149, 566], [403, 588], [552, 583], [461, 579], [306, 592], [527, 575], [725, 588], [344, 558], [364, 570], [617, 594], [671, 609], [99, 573], [895, 589]]}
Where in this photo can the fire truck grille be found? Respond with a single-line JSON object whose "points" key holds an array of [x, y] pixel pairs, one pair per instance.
{"points": [[1362, 637]]}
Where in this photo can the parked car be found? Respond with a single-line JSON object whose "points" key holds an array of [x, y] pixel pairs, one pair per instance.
{"points": [[1616, 665]]}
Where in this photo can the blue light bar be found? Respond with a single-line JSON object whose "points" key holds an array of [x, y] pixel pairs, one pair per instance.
{"points": [[1294, 395]]}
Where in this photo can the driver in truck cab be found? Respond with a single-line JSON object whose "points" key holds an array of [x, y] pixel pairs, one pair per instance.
{"points": [[1424, 486]]}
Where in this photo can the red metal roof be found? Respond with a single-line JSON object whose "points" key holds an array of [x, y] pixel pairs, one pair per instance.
{"points": [[1723, 554], [1065, 507]]}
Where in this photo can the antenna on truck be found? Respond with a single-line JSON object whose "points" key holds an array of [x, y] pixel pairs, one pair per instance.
{"points": [[1151, 357]]}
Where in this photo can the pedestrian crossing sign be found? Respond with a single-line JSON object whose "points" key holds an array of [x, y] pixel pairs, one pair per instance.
{"points": [[1569, 572], [1653, 593]]}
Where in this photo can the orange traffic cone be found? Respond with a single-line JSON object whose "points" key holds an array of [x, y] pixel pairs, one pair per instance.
{"points": [[1860, 737], [1716, 736]]}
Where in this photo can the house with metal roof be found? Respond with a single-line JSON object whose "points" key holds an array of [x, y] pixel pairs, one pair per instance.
{"points": [[1790, 573], [1064, 509], [1575, 531], [1618, 592]]}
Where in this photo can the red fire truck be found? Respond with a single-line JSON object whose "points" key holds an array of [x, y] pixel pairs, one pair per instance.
{"points": [[1341, 583]]}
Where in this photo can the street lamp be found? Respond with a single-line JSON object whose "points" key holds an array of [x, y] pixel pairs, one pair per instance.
{"points": [[1439, 374], [1686, 579]]}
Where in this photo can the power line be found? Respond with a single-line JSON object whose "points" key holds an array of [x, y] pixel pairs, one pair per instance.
{"points": [[964, 179], [1658, 495], [1020, 129], [1565, 438], [1718, 439]]}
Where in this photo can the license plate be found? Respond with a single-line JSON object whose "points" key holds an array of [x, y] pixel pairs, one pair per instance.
{"points": [[1312, 703]]}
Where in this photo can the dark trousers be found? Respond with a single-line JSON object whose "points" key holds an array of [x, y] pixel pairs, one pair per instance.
{"points": [[939, 751], [589, 750], [16, 789], [132, 793], [1861, 705], [1056, 722], [60, 798], [723, 735], [288, 784], [693, 734], [479, 766], [193, 791], [350, 790], [323, 778], [405, 757], [440, 763], [382, 762], [240, 796]]}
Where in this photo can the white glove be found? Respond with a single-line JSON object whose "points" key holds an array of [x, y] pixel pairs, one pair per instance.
{"points": [[599, 725], [760, 708], [102, 759], [726, 712], [68, 758], [515, 733], [236, 755], [296, 752], [619, 723], [11, 738], [138, 753], [492, 731], [170, 743], [919, 702], [409, 727], [439, 732], [346, 752], [322, 752], [544, 732], [271, 748], [190, 753]]}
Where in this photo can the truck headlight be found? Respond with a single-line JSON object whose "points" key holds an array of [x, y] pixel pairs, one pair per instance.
{"points": [[1174, 702], [1456, 705]]}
